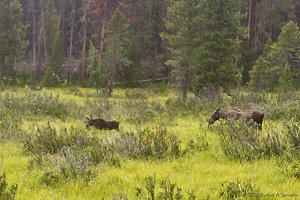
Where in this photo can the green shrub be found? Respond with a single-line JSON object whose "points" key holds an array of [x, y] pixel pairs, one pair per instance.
{"points": [[198, 144], [244, 101], [239, 141], [101, 107], [284, 107], [150, 191], [47, 140], [50, 178], [73, 164], [147, 144], [274, 144], [139, 111], [103, 151], [293, 168], [7, 193], [192, 106], [10, 127], [292, 131], [121, 196], [68, 153], [244, 143], [73, 91], [167, 190], [238, 190], [38, 103], [136, 94]]}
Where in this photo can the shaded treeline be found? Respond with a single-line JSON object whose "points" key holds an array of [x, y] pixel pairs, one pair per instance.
{"points": [[202, 42]]}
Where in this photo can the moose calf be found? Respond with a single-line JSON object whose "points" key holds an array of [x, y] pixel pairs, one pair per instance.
{"points": [[102, 124]]}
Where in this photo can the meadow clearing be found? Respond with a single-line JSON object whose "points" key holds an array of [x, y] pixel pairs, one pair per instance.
{"points": [[164, 150]]}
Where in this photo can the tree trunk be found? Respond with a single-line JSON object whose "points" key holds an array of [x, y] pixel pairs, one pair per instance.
{"points": [[15, 68], [72, 30], [185, 82], [297, 12], [83, 51], [155, 64], [63, 25], [1, 71], [103, 30], [34, 39], [71, 41], [111, 78], [38, 64], [45, 41], [252, 22]]}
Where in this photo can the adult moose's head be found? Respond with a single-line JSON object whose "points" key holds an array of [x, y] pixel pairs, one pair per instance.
{"points": [[216, 116]]}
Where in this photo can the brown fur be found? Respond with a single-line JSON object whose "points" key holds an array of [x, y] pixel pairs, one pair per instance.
{"points": [[254, 115], [102, 124]]}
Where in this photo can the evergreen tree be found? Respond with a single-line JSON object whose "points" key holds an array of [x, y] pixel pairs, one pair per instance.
{"points": [[145, 47], [115, 55], [12, 35], [204, 43], [182, 25], [57, 58], [97, 74], [55, 72], [274, 59], [286, 80], [258, 74], [218, 49], [51, 20]]}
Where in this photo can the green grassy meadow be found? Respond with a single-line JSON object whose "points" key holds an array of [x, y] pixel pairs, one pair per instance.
{"points": [[200, 171]]}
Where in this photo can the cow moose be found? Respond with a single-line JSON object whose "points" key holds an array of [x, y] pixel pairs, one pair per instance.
{"points": [[102, 124], [255, 115]]}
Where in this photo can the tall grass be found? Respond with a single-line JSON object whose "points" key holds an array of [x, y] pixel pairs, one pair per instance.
{"points": [[159, 134]]}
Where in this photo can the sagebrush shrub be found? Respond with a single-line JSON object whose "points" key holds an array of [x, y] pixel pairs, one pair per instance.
{"points": [[73, 164], [238, 190], [283, 107], [198, 144], [37, 103], [99, 107], [167, 190], [148, 144], [293, 169], [9, 127], [48, 140], [7, 193], [244, 101], [292, 131], [239, 141], [274, 144]]}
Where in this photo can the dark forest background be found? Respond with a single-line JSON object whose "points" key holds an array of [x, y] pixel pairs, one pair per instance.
{"points": [[195, 44]]}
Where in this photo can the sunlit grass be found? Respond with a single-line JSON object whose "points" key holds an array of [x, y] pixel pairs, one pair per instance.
{"points": [[202, 172]]}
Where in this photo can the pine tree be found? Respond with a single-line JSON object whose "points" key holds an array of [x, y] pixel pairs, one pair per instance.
{"points": [[51, 25], [54, 74], [285, 50], [57, 56], [12, 35], [286, 81], [115, 55], [97, 74], [180, 36], [218, 49], [258, 74]]}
